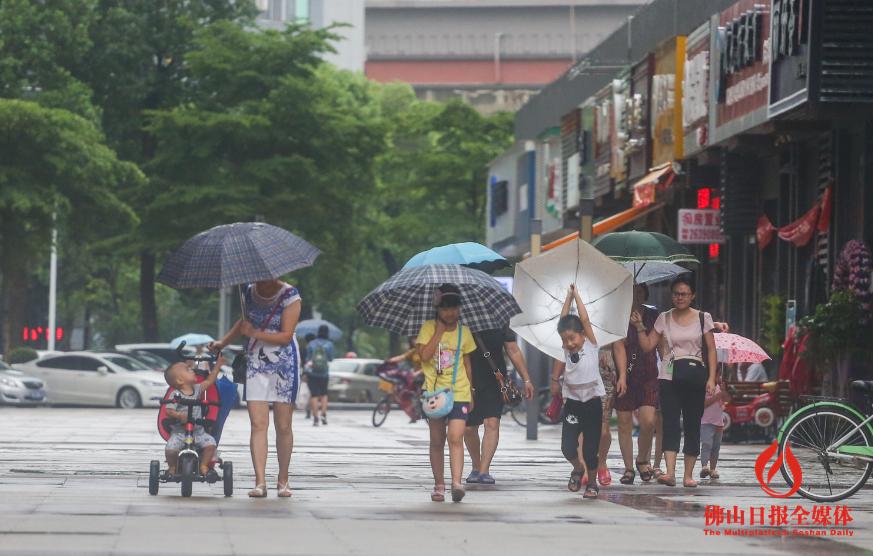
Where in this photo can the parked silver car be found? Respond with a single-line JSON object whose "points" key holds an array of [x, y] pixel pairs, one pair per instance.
{"points": [[95, 378], [354, 380], [17, 388]]}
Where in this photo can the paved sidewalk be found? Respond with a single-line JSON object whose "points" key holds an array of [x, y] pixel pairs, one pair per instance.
{"points": [[74, 481]]}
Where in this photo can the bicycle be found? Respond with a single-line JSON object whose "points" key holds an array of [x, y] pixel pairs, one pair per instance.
{"points": [[518, 412], [832, 441], [396, 392]]}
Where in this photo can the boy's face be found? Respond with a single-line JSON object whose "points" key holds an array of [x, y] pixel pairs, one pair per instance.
{"points": [[572, 340], [181, 375]]}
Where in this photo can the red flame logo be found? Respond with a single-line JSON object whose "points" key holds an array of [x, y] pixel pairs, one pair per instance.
{"points": [[788, 458]]}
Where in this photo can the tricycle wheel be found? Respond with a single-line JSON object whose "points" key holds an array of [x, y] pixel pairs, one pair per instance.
{"points": [[228, 478], [187, 470], [154, 476]]}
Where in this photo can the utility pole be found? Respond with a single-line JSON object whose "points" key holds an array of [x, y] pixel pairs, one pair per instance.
{"points": [[53, 286], [533, 408]]}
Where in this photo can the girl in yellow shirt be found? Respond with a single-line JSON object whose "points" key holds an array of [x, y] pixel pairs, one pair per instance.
{"points": [[438, 346]]}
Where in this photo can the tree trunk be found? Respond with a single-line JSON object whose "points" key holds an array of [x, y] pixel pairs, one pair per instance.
{"points": [[392, 267], [13, 267], [147, 296]]}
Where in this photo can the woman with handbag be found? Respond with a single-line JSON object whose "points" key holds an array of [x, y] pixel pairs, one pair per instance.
{"points": [[686, 375], [445, 346], [272, 372]]}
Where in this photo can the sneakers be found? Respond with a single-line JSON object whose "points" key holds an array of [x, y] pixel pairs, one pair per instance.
{"points": [[473, 477]]}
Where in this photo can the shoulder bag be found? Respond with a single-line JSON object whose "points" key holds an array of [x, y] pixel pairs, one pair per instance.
{"points": [[507, 387]]}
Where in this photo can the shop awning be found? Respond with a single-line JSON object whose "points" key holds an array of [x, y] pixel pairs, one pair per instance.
{"points": [[659, 176], [609, 224]]}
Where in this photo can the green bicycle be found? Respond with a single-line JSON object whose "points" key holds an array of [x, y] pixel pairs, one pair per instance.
{"points": [[833, 443]]}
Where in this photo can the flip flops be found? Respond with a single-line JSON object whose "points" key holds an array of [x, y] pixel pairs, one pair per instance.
{"points": [[438, 494], [458, 493]]}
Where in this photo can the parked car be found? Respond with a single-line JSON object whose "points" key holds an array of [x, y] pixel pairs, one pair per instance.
{"points": [[164, 351], [97, 378], [147, 358], [17, 388], [354, 380]]}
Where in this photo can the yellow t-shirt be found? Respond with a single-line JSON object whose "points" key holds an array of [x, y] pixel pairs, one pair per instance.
{"points": [[445, 357]]}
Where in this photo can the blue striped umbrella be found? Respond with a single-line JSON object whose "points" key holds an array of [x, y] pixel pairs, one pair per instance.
{"points": [[233, 254]]}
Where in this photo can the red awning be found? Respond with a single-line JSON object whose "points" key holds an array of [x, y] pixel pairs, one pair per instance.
{"points": [[659, 176]]}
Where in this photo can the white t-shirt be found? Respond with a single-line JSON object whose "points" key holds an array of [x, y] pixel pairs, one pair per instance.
{"points": [[582, 379], [755, 373]]}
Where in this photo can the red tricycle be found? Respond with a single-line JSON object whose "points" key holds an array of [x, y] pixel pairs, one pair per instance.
{"points": [[758, 404]]}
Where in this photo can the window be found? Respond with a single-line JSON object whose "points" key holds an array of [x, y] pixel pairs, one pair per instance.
{"points": [[127, 363], [343, 366], [64, 362], [89, 364], [301, 11], [370, 370], [500, 198]]}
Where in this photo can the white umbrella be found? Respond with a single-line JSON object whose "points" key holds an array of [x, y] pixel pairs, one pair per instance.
{"points": [[540, 287]]}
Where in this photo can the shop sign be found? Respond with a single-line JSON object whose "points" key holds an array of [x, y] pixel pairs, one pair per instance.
{"points": [[700, 226], [741, 39], [667, 100], [788, 24], [695, 90], [637, 114], [618, 170], [789, 71]]}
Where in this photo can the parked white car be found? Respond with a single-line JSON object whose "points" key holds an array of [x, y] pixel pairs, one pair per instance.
{"points": [[17, 388], [96, 378]]}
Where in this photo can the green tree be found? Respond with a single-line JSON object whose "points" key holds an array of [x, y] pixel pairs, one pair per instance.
{"points": [[138, 64], [52, 162]]}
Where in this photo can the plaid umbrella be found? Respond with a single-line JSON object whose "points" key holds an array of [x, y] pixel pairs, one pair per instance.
{"points": [[234, 254], [403, 302]]}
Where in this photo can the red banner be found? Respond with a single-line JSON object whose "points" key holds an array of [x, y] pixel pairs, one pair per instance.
{"points": [[824, 219], [801, 230], [765, 232]]}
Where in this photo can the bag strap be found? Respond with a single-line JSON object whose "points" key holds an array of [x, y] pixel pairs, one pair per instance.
{"points": [[704, 349], [457, 356], [486, 353], [667, 318], [267, 320]]}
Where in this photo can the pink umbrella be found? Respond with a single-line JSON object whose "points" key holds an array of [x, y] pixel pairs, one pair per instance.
{"points": [[731, 348]]}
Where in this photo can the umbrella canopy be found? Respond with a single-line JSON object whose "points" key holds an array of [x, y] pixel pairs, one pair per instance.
{"points": [[731, 348], [191, 340], [541, 285], [311, 326], [403, 302], [234, 254], [468, 253], [653, 272], [643, 247]]}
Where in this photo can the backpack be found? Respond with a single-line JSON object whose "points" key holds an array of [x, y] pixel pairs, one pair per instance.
{"points": [[319, 360]]}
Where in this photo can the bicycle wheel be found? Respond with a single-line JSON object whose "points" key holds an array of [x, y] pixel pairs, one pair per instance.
{"points": [[826, 477], [380, 413], [519, 412]]}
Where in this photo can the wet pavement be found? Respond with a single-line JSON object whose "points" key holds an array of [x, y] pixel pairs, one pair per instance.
{"points": [[74, 481]]}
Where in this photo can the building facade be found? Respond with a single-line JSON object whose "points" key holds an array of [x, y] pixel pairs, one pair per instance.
{"points": [[742, 128]]}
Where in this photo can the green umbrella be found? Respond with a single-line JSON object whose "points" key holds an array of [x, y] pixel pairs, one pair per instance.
{"points": [[649, 256]]}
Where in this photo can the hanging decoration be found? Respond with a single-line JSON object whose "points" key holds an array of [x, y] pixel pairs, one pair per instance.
{"points": [[799, 232]]}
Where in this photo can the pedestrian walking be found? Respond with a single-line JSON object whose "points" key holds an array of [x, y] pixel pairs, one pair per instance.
{"points": [[685, 377], [319, 354], [583, 393], [445, 346], [637, 391], [305, 376], [272, 310], [711, 430], [606, 365], [488, 399]]}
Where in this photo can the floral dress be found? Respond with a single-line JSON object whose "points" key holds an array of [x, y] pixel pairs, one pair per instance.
{"points": [[273, 371]]}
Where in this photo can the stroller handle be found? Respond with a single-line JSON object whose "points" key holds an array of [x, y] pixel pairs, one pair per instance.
{"points": [[209, 356], [185, 401]]}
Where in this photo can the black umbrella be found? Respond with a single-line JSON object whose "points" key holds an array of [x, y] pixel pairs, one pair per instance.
{"points": [[234, 254], [403, 302]]}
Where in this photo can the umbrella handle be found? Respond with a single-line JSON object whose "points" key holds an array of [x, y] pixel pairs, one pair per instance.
{"points": [[242, 301]]}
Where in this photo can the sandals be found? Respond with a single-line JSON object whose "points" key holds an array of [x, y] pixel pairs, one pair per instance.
{"points": [[486, 479], [714, 475], [438, 494], [645, 476], [604, 477], [458, 493], [667, 480], [704, 472], [591, 491], [689, 483], [284, 491], [260, 491], [575, 482], [657, 473], [628, 477]]}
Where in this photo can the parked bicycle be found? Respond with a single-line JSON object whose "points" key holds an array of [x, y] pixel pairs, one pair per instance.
{"points": [[403, 388], [542, 398], [832, 441]]}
